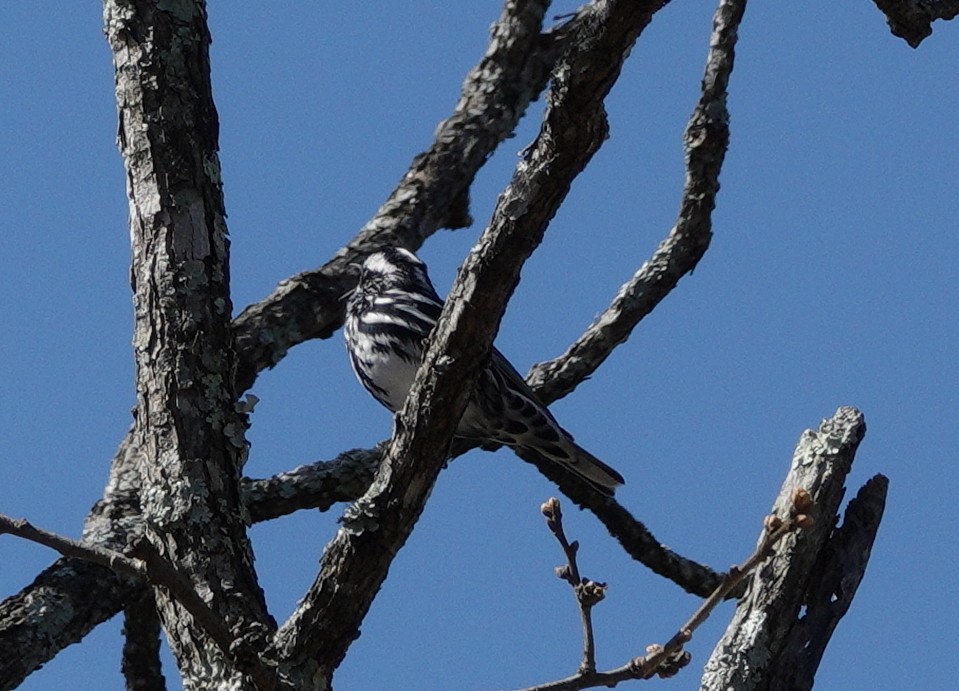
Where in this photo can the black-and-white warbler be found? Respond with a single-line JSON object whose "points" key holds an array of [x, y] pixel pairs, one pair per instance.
{"points": [[388, 317]]}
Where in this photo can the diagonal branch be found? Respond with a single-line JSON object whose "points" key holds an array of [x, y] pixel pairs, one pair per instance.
{"points": [[431, 195], [356, 562], [706, 141]]}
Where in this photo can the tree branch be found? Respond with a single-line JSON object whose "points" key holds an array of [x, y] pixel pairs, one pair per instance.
{"points": [[318, 485], [666, 660], [749, 652], [356, 562], [833, 584], [911, 20], [705, 144], [190, 435], [63, 604], [141, 643], [588, 592], [432, 194], [149, 565]]}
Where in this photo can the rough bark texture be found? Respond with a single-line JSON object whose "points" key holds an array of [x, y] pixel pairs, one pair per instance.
{"points": [[190, 437], [762, 646], [911, 20], [434, 192], [39, 621], [356, 563], [832, 586], [141, 643], [176, 478]]}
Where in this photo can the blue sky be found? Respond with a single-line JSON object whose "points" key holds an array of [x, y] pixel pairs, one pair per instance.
{"points": [[831, 281]]}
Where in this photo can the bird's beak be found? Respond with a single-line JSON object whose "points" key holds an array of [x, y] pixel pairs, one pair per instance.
{"points": [[357, 268]]}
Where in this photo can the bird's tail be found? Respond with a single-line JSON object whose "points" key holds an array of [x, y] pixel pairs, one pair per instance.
{"points": [[603, 476], [574, 457]]}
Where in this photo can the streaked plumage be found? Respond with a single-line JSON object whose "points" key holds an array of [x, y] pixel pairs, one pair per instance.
{"points": [[388, 317]]}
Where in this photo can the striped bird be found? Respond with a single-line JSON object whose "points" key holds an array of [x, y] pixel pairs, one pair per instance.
{"points": [[388, 318]]}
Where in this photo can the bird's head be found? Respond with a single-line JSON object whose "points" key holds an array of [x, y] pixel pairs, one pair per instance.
{"points": [[393, 268]]}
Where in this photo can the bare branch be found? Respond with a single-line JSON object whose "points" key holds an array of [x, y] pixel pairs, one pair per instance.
{"points": [[588, 593], [63, 604], [833, 584], [149, 565], [666, 660], [189, 432], [375, 528], [141, 643], [72, 596], [432, 194], [912, 20], [318, 485], [749, 652], [706, 141], [322, 484], [71, 548]]}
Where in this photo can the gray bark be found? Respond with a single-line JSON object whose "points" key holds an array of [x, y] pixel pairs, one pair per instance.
{"points": [[177, 479], [189, 435], [788, 603]]}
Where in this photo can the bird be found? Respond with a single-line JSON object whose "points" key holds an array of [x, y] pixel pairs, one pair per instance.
{"points": [[389, 316]]}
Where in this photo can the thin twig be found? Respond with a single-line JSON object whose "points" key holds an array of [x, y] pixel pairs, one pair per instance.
{"points": [[588, 592], [71, 548], [666, 660]]}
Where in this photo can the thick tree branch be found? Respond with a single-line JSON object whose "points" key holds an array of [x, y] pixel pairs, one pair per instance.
{"points": [[912, 20], [495, 96], [706, 141], [833, 584], [63, 604], [357, 560], [141, 643], [190, 436], [749, 654], [432, 194]]}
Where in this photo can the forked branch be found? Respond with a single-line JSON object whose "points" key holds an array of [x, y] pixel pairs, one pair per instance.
{"points": [[147, 564], [661, 660]]}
